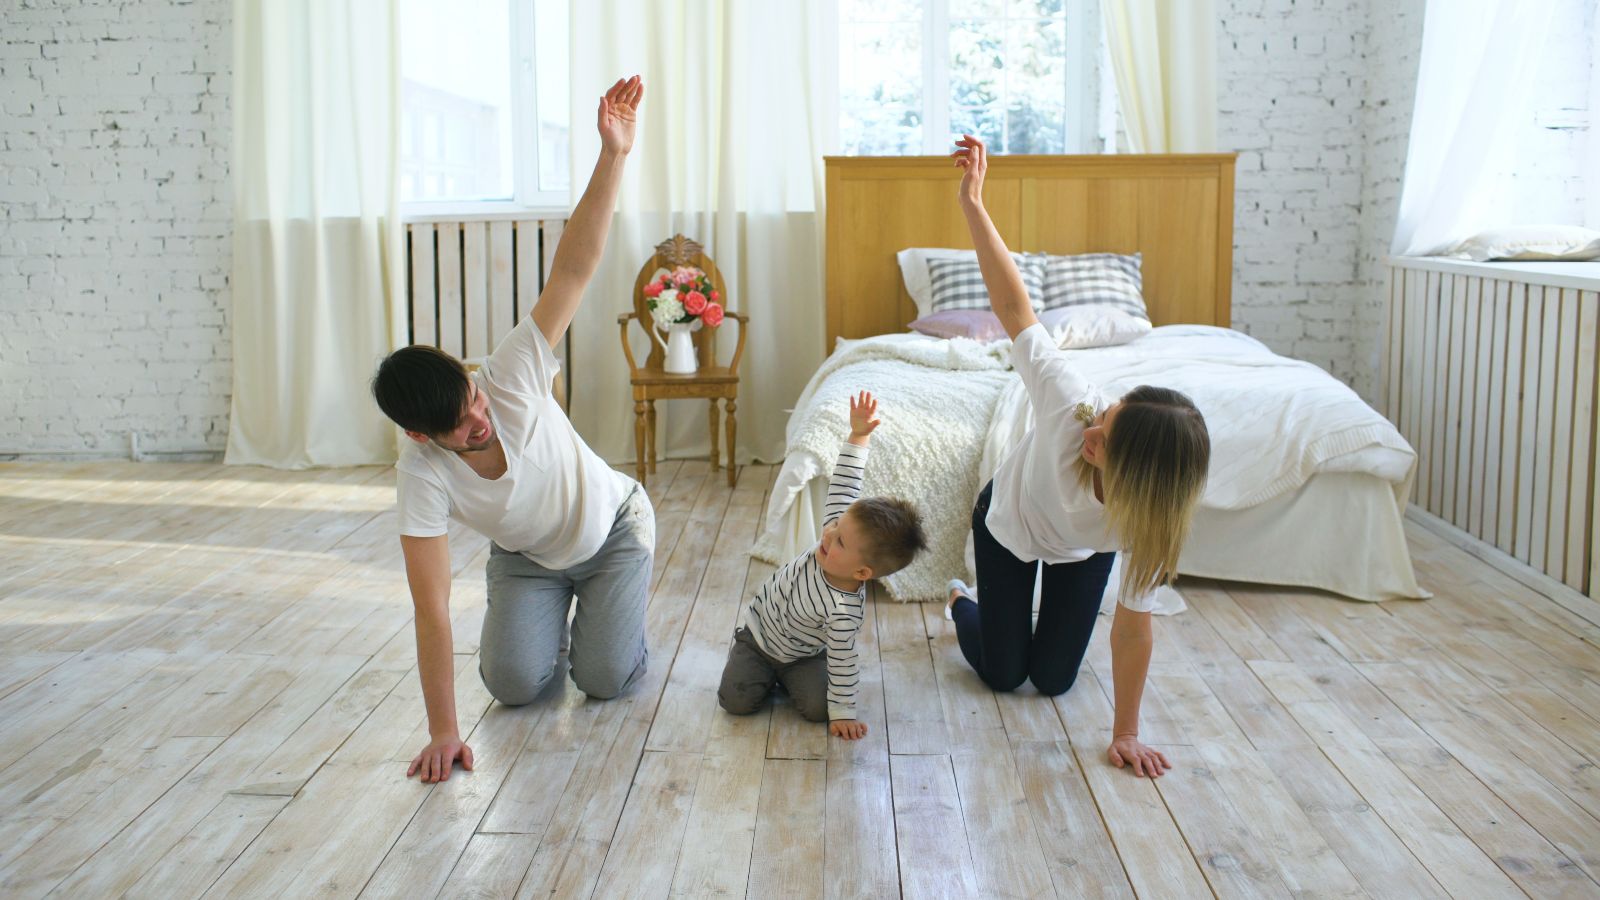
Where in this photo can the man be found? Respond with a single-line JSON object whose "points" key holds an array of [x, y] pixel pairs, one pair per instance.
{"points": [[494, 451]]}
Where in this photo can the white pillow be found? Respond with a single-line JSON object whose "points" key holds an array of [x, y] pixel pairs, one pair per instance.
{"points": [[1078, 327], [1530, 243], [914, 273]]}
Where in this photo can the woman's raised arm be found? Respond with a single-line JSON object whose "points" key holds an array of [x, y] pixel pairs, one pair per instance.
{"points": [[1008, 297]]}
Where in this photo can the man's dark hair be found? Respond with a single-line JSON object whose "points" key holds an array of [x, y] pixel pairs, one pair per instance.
{"points": [[422, 389], [893, 531]]}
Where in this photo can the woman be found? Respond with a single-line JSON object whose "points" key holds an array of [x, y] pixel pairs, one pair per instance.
{"points": [[1088, 480]]}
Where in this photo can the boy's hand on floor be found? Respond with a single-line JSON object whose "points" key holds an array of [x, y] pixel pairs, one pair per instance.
{"points": [[849, 729]]}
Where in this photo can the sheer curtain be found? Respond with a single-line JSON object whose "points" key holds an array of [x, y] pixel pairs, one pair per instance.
{"points": [[1591, 155], [1478, 66], [316, 246], [738, 112], [1164, 53]]}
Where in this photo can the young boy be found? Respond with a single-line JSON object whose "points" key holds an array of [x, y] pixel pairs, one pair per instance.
{"points": [[800, 628]]}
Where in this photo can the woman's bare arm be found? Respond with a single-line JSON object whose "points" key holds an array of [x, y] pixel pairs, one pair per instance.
{"points": [[1132, 640], [1008, 297]]}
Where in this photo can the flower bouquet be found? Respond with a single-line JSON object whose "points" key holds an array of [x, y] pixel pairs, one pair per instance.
{"points": [[682, 296], [681, 301]]}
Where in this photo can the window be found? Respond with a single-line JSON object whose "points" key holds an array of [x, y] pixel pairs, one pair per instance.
{"points": [[483, 105], [1022, 74]]}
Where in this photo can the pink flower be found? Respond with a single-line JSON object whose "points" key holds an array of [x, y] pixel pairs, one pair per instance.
{"points": [[653, 289], [694, 303], [715, 296], [713, 314]]}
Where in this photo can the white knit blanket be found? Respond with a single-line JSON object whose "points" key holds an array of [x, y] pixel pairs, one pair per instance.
{"points": [[936, 400]]}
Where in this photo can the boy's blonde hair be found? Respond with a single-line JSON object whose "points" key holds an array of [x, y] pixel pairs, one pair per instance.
{"points": [[1156, 459], [893, 531]]}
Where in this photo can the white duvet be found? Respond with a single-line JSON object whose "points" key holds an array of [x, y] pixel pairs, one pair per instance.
{"points": [[953, 409]]}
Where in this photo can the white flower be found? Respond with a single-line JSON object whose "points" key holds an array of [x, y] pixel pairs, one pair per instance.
{"points": [[667, 309]]}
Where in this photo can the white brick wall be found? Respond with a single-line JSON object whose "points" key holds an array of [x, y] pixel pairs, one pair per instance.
{"points": [[114, 225], [1316, 95], [1394, 49], [1295, 79]]}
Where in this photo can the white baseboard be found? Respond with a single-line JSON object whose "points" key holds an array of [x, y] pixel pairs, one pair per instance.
{"points": [[1573, 601], [109, 456]]}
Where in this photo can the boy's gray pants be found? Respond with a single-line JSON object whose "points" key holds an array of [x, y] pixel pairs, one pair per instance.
{"points": [[750, 673], [527, 614]]}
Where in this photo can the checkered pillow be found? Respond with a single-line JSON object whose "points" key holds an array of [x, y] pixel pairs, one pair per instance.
{"points": [[1091, 279], [957, 283]]}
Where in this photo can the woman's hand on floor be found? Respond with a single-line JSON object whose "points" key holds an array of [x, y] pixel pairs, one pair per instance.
{"points": [[1126, 750], [849, 729], [436, 760]]}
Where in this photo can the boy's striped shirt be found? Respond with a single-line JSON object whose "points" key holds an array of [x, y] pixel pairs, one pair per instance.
{"points": [[797, 613]]}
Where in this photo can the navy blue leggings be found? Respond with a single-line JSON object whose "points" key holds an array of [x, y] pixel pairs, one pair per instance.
{"points": [[998, 636]]}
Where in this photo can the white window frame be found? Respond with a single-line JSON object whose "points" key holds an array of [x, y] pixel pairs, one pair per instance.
{"points": [[527, 200], [1083, 46]]}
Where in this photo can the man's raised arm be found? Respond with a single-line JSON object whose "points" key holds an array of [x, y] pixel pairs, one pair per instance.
{"points": [[584, 238]]}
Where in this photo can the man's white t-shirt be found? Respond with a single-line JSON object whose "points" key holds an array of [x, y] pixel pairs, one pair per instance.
{"points": [[1038, 509], [557, 500]]}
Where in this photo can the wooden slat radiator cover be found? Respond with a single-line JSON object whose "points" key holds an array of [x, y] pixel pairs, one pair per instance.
{"points": [[1490, 373], [470, 282]]}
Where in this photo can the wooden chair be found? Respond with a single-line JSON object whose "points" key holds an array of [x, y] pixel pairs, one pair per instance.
{"points": [[711, 382]]}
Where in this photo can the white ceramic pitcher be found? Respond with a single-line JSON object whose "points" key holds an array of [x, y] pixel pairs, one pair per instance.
{"points": [[679, 346]]}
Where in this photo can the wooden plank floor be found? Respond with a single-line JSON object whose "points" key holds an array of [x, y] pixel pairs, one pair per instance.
{"points": [[208, 688]]}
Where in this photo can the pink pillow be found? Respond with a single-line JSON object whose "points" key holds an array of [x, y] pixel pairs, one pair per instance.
{"points": [[978, 324]]}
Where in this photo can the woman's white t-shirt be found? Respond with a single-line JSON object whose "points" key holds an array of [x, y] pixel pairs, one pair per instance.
{"points": [[1038, 509], [557, 500]]}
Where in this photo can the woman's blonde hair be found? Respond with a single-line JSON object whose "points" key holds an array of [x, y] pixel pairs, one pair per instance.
{"points": [[1156, 458]]}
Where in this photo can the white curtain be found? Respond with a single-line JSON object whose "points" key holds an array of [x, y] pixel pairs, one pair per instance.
{"points": [[738, 112], [316, 245], [1478, 66], [1164, 54], [1591, 156]]}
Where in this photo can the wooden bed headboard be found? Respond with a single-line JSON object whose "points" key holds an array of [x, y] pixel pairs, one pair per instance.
{"points": [[1175, 209]]}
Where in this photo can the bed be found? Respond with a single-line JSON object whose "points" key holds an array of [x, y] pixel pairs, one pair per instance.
{"points": [[1308, 483]]}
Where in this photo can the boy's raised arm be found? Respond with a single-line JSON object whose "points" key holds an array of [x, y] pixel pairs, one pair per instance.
{"points": [[844, 486], [863, 418]]}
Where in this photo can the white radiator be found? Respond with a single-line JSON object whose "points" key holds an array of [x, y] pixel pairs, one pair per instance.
{"points": [[1490, 373], [470, 282]]}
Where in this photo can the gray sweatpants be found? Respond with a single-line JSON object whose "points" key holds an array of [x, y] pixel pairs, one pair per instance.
{"points": [[750, 673], [527, 614]]}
